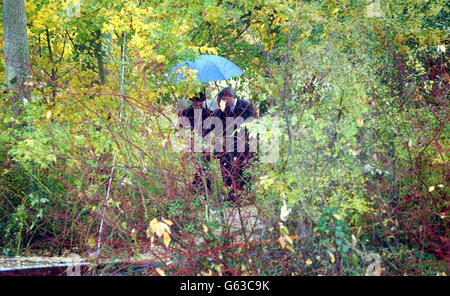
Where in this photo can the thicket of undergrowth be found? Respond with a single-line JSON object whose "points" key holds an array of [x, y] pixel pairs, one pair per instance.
{"points": [[360, 184]]}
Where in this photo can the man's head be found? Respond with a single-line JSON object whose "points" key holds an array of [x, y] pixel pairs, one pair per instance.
{"points": [[227, 95]]}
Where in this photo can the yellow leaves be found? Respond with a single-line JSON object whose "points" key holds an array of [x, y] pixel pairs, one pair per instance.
{"points": [[360, 121], [119, 21], [249, 38], [160, 58], [183, 28], [398, 39], [337, 217], [160, 271], [290, 249], [267, 181], [205, 15], [282, 242], [332, 259], [49, 114], [210, 50], [160, 228], [211, 13], [46, 16], [289, 240], [204, 49], [432, 188], [285, 30], [139, 42], [141, 21], [209, 273], [283, 229], [149, 233], [189, 74], [285, 240], [303, 36], [91, 242], [166, 239], [205, 228]]}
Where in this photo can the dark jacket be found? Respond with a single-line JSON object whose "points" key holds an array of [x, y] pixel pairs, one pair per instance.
{"points": [[189, 113], [244, 110]]}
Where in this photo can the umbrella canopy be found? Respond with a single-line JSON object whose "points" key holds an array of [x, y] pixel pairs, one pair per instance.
{"points": [[209, 68]]}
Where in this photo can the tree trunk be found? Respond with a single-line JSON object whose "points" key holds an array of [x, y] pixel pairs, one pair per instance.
{"points": [[99, 55], [17, 55]]}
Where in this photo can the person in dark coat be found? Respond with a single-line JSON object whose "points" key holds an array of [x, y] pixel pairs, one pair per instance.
{"points": [[237, 150], [195, 115], [189, 112]]}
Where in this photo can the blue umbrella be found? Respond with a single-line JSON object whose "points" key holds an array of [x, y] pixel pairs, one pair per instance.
{"points": [[209, 68]]}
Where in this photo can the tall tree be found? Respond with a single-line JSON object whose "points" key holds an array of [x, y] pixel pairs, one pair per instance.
{"points": [[17, 55]]}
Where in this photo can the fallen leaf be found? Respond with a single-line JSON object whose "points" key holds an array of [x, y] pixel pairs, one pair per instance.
{"points": [[332, 259], [159, 227], [149, 233], [91, 242], [289, 240], [152, 223], [290, 249], [160, 272], [360, 121], [337, 216], [205, 228], [166, 239], [284, 211], [282, 242], [209, 273]]}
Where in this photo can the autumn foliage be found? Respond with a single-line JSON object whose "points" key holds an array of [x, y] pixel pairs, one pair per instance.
{"points": [[89, 161]]}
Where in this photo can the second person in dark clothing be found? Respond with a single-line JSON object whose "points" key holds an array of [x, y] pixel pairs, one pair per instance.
{"points": [[237, 148], [194, 116]]}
